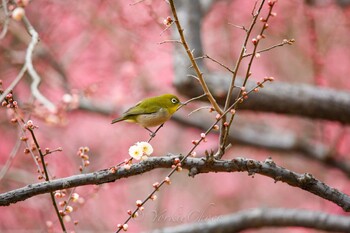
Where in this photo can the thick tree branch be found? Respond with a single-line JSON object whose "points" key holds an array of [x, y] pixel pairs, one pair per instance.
{"points": [[258, 218], [195, 166]]}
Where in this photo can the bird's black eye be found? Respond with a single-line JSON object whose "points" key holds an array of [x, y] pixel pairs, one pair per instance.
{"points": [[174, 100]]}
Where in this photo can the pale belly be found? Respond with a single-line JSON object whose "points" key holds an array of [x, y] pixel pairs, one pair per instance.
{"points": [[154, 119]]}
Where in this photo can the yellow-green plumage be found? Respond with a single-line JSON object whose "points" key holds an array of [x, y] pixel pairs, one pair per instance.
{"points": [[152, 111]]}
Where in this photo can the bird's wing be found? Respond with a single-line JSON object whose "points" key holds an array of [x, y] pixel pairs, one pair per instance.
{"points": [[139, 109]]}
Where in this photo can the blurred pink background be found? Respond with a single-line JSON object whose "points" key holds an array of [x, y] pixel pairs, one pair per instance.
{"points": [[110, 52]]}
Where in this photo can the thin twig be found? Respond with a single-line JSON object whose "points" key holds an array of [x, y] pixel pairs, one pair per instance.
{"points": [[240, 27], [263, 28], [257, 12], [47, 178], [193, 76], [170, 41], [166, 28], [137, 2], [59, 149], [153, 134], [193, 99], [27, 143], [199, 109], [284, 42], [217, 62]]}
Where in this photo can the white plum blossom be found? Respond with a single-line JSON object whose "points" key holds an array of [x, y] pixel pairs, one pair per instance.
{"points": [[141, 150], [136, 152], [146, 148]]}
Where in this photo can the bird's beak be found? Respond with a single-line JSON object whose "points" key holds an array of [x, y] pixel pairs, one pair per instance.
{"points": [[181, 105]]}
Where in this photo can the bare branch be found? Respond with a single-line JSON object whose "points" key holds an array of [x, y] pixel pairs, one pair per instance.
{"points": [[265, 217], [31, 130], [240, 27], [32, 72], [170, 41], [217, 62], [284, 42], [195, 165], [193, 99]]}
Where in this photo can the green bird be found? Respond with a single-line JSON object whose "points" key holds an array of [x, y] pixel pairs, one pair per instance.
{"points": [[151, 112]]}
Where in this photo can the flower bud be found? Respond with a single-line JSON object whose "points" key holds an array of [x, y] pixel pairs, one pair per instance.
{"points": [[18, 13]]}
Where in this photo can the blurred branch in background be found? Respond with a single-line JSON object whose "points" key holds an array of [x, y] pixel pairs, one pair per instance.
{"points": [[31, 70], [315, 3], [28, 67], [6, 20], [195, 166], [343, 3], [264, 218]]}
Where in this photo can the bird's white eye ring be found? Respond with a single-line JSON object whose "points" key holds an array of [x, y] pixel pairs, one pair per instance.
{"points": [[174, 101]]}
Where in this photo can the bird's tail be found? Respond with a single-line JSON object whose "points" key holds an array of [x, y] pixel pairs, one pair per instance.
{"points": [[117, 120]]}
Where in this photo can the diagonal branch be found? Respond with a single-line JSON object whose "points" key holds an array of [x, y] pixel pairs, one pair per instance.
{"points": [[196, 166]]}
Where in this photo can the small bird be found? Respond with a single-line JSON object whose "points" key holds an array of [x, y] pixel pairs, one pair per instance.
{"points": [[151, 112]]}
